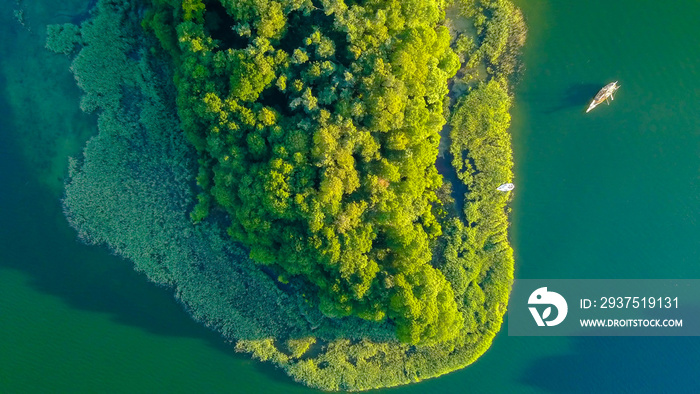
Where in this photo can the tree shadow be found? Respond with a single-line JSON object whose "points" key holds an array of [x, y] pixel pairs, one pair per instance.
{"points": [[576, 95], [443, 164]]}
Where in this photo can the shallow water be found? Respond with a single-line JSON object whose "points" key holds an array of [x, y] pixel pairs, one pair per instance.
{"points": [[610, 194]]}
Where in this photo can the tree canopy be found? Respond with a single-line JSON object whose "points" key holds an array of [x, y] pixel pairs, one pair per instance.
{"points": [[317, 126], [313, 135]]}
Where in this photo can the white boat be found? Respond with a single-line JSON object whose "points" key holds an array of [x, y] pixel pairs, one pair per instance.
{"points": [[506, 187], [606, 92]]}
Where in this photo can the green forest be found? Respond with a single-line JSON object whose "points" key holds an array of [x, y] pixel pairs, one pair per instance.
{"points": [[315, 179]]}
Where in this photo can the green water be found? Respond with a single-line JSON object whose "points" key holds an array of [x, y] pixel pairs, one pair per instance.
{"points": [[610, 194]]}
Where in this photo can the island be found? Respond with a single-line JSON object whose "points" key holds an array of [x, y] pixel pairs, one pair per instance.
{"points": [[315, 179]]}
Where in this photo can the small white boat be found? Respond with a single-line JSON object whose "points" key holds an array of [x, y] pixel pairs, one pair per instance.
{"points": [[606, 92], [506, 187]]}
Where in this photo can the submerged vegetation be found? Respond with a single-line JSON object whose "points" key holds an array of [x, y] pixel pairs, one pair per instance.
{"points": [[274, 162]]}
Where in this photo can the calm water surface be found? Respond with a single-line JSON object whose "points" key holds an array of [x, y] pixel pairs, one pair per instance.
{"points": [[610, 194]]}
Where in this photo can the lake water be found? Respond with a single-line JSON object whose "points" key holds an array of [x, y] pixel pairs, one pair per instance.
{"points": [[610, 194]]}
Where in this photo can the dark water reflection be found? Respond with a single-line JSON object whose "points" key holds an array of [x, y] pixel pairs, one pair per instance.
{"points": [[576, 95]]}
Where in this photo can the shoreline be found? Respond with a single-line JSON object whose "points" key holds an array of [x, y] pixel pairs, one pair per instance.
{"points": [[265, 349]]}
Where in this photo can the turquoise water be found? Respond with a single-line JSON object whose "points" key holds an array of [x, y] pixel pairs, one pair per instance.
{"points": [[610, 194]]}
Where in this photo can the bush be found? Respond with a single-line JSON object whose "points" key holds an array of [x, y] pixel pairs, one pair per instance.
{"points": [[63, 38]]}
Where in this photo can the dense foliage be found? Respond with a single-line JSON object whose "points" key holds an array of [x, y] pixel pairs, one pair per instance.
{"points": [[317, 127], [133, 190]]}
